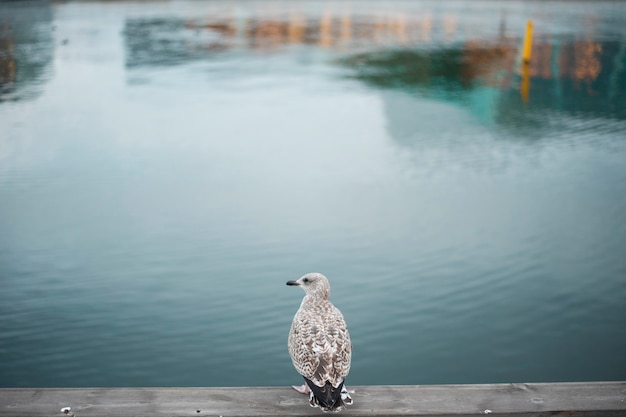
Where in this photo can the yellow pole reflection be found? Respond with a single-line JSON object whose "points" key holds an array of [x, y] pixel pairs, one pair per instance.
{"points": [[528, 41]]}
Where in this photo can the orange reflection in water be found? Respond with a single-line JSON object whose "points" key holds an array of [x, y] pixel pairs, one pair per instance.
{"points": [[586, 66], [7, 55], [296, 28], [494, 61]]}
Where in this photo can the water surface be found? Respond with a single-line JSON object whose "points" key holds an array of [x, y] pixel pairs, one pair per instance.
{"points": [[165, 168]]}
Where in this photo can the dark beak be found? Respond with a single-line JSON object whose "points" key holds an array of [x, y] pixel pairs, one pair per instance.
{"points": [[292, 283]]}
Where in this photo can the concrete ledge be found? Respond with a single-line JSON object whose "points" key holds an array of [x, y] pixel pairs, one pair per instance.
{"points": [[568, 399]]}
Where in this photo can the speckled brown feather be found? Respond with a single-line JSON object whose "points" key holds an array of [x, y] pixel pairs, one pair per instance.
{"points": [[319, 342]]}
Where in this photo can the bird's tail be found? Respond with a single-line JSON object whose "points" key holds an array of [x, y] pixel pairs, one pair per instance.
{"points": [[328, 398]]}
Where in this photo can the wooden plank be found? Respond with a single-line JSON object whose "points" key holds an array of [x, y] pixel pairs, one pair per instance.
{"points": [[570, 399]]}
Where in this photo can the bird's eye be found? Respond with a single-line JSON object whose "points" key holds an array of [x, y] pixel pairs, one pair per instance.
{"points": [[306, 280]]}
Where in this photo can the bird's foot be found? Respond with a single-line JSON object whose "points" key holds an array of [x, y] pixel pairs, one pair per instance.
{"points": [[302, 389], [345, 396]]}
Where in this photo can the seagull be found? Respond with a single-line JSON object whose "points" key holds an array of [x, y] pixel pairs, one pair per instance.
{"points": [[319, 345]]}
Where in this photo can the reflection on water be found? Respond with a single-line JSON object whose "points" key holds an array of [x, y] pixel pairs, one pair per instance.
{"points": [[438, 55], [26, 48], [165, 166], [265, 31], [580, 76]]}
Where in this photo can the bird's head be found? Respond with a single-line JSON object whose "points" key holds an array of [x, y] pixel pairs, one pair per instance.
{"points": [[314, 284]]}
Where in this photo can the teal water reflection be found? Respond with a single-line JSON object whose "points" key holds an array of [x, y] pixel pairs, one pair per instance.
{"points": [[26, 49], [166, 166]]}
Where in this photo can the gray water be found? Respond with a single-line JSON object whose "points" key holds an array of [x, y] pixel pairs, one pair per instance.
{"points": [[165, 168]]}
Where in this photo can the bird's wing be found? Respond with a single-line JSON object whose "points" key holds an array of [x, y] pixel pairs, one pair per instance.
{"points": [[319, 345]]}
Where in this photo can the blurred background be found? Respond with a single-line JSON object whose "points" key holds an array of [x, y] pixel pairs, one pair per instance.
{"points": [[166, 166]]}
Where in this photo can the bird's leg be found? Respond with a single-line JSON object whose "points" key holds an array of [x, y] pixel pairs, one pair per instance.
{"points": [[345, 395], [302, 389]]}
